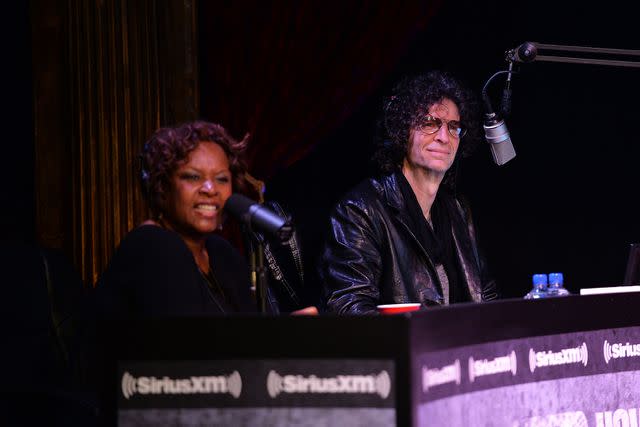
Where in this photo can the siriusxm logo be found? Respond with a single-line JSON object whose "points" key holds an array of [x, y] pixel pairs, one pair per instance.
{"points": [[541, 359], [573, 419], [479, 368], [143, 385], [436, 376], [619, 350], [364, 384]]}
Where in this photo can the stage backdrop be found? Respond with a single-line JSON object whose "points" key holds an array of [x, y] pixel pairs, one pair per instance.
{"points": [[107, 74]]}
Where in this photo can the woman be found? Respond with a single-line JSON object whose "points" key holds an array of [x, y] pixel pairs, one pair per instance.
{"points": [[173, 264]]}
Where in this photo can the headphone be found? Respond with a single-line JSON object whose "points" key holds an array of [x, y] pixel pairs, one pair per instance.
{"points": [[144, 170]]}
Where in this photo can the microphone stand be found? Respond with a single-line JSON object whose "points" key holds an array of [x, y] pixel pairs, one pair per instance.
{"points": [[258, 270], [542, 52], [254, 217], [530, 51], [495, 129]]}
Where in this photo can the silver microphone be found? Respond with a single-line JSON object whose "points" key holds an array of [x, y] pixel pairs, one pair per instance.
{"points": [[497, 135]]}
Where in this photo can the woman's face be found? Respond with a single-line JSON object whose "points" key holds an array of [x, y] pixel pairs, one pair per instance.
{"points": [[199, 189]]}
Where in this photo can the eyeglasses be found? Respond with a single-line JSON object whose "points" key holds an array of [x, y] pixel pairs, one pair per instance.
{"points": [[431, 125]]}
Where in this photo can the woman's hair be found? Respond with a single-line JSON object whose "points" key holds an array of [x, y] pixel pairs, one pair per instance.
{"points": [[169, 147], [407, 106]]}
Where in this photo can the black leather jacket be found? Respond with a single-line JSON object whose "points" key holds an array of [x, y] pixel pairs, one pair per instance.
{"points": [[372, 257]]}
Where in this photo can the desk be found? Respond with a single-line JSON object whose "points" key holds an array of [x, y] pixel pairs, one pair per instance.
{"points": [[563, 361]]}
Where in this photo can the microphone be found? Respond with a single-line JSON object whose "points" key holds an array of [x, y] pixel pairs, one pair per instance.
{"points": [[497, 135], [495, 129], [526, 52], [258, 217]]}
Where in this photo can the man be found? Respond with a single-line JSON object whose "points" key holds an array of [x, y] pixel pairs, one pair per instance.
{"points": [[403, 237]]}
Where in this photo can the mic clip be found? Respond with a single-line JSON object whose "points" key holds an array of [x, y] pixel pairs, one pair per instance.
{"points": [[491, 119], [526, 52]]}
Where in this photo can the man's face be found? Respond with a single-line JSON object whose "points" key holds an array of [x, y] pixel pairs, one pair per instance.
{"points": [[437, 151]]}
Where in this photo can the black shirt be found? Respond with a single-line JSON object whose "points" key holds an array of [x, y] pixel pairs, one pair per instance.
{"points": [[436, 238], [153, 274]]}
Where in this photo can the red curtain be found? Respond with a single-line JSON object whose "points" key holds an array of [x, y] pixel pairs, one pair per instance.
{"points": [[288, 72]]}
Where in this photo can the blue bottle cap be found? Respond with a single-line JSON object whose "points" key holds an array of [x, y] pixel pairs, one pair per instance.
{"points": [[556, 278], [539, 279]]}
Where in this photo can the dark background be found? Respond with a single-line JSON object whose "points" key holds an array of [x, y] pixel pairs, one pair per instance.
{"points": [[568, 202], [17, 173]]}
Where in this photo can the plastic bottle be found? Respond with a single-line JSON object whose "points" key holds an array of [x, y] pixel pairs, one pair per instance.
{"points": [[556, 286], [539, 289]]}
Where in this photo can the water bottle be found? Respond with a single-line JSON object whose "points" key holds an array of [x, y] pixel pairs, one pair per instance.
{"points": [[556, 286], [539, 289]]}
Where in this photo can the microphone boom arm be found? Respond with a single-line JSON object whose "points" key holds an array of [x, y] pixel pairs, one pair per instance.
{"points": [[550, 53]]}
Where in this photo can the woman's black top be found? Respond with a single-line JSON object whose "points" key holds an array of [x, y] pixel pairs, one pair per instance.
{"points": [[154, 274]]}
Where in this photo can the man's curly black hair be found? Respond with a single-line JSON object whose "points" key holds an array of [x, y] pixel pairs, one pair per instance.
{"points": [[408, 105]]}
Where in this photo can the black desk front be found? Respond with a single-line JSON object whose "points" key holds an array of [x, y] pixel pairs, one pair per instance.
{"points": [[563, 361]]}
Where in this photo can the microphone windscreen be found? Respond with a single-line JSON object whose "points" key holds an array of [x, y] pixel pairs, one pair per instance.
{"points": [[237, 203], [258, 217]]}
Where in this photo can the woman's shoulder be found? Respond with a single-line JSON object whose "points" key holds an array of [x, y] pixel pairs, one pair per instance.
{"points": [[148, 234], [151, 242]]}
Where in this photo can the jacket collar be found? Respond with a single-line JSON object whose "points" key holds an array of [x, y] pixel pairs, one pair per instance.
{"points": [[392, 195], [464, 247], [391, 192], [395, 200]]}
